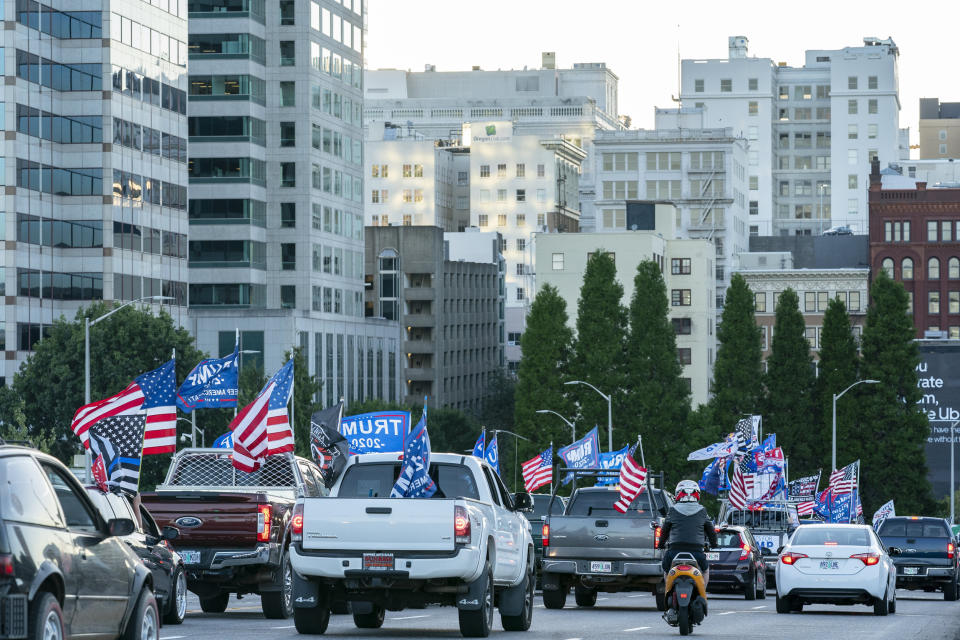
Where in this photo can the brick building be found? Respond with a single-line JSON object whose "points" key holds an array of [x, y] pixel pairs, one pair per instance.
{"points": [[914, 237]]}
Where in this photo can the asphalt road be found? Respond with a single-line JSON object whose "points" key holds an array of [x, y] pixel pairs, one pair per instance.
{"points": [[919, 615]]}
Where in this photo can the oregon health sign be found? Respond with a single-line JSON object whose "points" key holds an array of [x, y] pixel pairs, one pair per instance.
{"points": [[938, 377], [377, 432]]}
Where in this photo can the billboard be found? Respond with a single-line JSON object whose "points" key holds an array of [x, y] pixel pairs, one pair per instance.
{"points": [[938, 378]]}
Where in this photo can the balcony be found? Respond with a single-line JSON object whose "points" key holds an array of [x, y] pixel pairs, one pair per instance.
{"points": [[419, 320], [419, 293], [419, 346], [420, 375]]}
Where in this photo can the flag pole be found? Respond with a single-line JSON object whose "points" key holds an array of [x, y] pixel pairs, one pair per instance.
{"points": [[551, 470], [236, 347], [193, 427]]}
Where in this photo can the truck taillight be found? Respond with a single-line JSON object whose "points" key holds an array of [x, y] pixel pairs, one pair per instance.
{"points": [[656, 537], [546, 534], [264, 513], [951, 550], [461, 525], [6, 564], [296, 523]]}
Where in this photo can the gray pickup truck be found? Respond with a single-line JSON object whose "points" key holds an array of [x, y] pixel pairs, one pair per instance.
{"points": [[592, 547]]}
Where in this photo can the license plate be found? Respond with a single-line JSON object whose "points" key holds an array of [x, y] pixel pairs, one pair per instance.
{"points": [[190, 557], [601, 567], [831, 565], [911, 571], [378, 561], [713, 556]]}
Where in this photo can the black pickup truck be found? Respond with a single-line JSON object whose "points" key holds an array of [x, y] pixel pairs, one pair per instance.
{"points": [[924, 552]]}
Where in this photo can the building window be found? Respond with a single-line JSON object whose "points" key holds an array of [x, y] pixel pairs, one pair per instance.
{"points": [[521, 219], [680, 266], [521, 244], [521, 170], [852, 181], [887, 266], [684, 355], [288, 134], [954, 302], [953, 268], [541, 170], [853, 157], [501, 220], [557, 262], [942, 150], [484, 171], [906, 269], [852, 82], [852, 107], [933, 302], [288, 53], [932, 230], [760, 302], [698, 85], [680, 297], [810, 302], [681, 326], [501, 171], [513, 338], [852, 132], [753, 108], [288, 94], [521, 195], [501, 195], [933, 269], [520, 294], [811, 335], [752, 84], [873, 106], [726, 85], [288, 296], [288, 214], [871, 132], [854, 304], [287, 12], [288, 174], [482, 220]]}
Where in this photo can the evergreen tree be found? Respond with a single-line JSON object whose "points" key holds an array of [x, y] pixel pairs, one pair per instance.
{"points": [[839, 365], [598, 356], [546, 343], [659, 400], [790, 384], [303, 401], [892, 432], [737, 371]]}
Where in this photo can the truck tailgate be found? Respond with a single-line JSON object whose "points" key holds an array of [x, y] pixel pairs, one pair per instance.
{"points": [[218, 519], [609, 538], [378, 524]]}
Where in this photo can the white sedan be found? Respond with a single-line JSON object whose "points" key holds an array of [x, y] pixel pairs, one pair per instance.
{"points": [[835, 564]]}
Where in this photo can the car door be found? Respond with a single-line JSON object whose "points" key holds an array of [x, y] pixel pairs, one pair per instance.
{"points": [[509, 531], [105, 566]]}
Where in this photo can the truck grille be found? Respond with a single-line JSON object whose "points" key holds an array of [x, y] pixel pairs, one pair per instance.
{"points": [[13, 617]]}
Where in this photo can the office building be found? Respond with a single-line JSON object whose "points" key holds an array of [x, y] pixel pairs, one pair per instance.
{"points": [[939, 129], [276, 192], [446, 289], [939, 172], [812, 130], [94, 161]]}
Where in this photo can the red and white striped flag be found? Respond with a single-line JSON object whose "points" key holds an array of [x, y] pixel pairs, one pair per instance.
{"points": [[805, 508], [741, 487], [633, 480], [262, 428], [538, 471], [843, 480]]}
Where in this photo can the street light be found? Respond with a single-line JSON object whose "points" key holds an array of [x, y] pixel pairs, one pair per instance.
{"points": [[86, 359], [573, 429], [836, 397], [193, 436], [609, 411]]}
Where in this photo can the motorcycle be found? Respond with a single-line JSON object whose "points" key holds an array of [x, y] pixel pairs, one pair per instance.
{"points": [[685, 593]]}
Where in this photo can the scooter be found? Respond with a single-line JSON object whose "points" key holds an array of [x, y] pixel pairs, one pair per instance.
{"points": [[685, 593]]}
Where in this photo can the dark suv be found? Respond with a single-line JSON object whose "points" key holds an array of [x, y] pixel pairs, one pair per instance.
{"points": [[924, 552], [64, 571]]}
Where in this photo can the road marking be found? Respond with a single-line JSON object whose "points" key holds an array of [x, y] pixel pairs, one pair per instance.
{"points": [[637, 595], [763, 606], [289, 626], [602, 599], [172, 637], [637, 629], [726, 613], [409, 617]]}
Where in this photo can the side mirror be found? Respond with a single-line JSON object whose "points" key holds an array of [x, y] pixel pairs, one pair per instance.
{"points": [[522, 501], [766, 551], [169, 533], [121, 527], [779, 549], [894, 551]]}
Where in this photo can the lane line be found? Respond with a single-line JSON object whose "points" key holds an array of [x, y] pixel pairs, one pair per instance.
{"points": [[763, 606], [172, 637], [409, 617], [602, 599], [637, 629], [637, 595], [289, 626], [726, 613]]}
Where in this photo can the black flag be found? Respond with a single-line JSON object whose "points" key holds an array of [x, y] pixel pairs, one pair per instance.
{"points": [[328, 447]]}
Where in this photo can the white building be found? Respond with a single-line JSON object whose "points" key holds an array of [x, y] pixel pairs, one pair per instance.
{"points": [[702, 172], [94, 161], [937, 172], [812, 129]]}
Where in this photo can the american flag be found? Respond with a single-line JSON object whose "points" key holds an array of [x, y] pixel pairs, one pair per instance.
{"points": [[262, 428], [117, 441], [843, 480], [633, 479], [805, 508], [538, 471], [740, 488], [151, 395]]}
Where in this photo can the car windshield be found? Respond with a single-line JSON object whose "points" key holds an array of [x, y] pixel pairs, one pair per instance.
{"points": [[541, 505], [591, 503], [913, 529], [831, 536], [728, 539], [376, 480]]}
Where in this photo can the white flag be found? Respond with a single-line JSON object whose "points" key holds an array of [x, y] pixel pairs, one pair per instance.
{"points": [[883, 513]]}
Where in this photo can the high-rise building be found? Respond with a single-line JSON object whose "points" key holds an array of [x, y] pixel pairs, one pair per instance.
{"points": [[276, 188], [939, 129], [94, 160], [812, 129]]}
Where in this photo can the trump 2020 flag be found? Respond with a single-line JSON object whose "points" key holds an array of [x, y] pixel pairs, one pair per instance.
{"points": [[884, 512], [415, 480], [492, 454], [723, 449], [582, 454], [479, 445], [212, 384]]}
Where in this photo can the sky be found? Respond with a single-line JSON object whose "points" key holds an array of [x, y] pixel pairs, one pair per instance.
{"points": [[638, 39]]}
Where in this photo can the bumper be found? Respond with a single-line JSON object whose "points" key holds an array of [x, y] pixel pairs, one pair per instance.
{"points": [[729, 578], [13, 616], [825, 595], [928, 576], [839, 589], [465, 564], [619, 569]]}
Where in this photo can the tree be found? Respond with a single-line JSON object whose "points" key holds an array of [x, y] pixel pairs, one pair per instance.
{"points": [[498, 407], [737, 370], [790, 382], [546, 344], [659, 398], [839, 364], [305, 389], [892, 431], [598, 353]]}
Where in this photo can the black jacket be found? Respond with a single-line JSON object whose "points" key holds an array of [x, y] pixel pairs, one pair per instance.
{"points": [[688, 527]]}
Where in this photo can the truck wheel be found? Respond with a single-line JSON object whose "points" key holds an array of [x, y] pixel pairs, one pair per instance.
{"points": [[555, 599], [950, 591], [312, 621], [585, 597], [278, 605], [521, 622], [46, 618], [372, 620], [477, 623], [215, 604]]}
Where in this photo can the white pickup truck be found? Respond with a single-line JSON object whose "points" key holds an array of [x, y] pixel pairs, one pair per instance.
{"points": [[468, 546]]}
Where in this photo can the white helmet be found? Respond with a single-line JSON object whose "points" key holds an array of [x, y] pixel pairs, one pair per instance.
{"points": [[687, 491]]}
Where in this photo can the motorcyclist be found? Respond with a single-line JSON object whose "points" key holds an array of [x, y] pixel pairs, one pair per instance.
{"points": [[687, 528]]}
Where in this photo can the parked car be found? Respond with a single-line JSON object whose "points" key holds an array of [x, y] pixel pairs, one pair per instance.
{"points": [[841, 230], [543, 505], [836, 564], [737, 563], [924, 552], [152, 546], [468, 546], [65, 570], [234, 525]]}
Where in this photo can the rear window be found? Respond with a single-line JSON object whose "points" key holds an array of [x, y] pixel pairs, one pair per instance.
{"points": [[376, 480], [541, 506], [590, 503], [728, 539], [914, 529], [831, 536]]}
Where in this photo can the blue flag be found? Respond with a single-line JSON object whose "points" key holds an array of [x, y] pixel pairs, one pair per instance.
{"points": [[212, 384], [821, 503], [841, 508], [711, 479], [415, 480], [582, 454], [224, 442], [611, 460], [376, 432], [492, 454], [478, 447]]}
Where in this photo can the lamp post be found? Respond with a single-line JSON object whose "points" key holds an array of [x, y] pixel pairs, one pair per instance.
{"points": [[609, 411], [573, 429], [193, 435], [86, 361], [836, 397]]}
